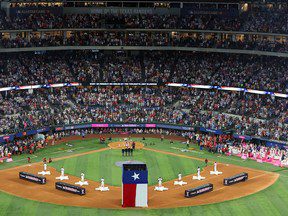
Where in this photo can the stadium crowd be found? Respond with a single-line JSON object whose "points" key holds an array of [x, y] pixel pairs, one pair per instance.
{"points": [[227, 145], [247, 71], [250, 114], [107, 38], [246, 114], [27, 145], [256, 20]]}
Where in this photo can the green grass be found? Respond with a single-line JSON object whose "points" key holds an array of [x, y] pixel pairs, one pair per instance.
{"points": [[271, 201], [56, 151], [166, 146], [102, 164]]}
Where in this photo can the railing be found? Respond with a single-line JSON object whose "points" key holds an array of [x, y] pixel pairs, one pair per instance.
{"points": [[172, 35], [146, 30], [197, 86], [145, 48]]}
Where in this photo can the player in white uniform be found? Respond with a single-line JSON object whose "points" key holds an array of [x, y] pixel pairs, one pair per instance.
{"points": [[215, 166], [198, 171], [160, 187], [82, 177], [179, 177], [62, 171], [160, 182], [45, 167], [102, 182]]}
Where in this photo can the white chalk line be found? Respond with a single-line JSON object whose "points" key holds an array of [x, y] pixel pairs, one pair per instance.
{"points": [[67, 150], [35, 156], [32, 156], [186, 150], [233, 159]]}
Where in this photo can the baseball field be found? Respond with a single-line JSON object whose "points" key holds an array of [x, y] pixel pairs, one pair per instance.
{"points": [[265, 193]]}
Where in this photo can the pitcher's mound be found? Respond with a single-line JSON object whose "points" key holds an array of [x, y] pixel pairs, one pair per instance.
{"points": [[122, 144]]}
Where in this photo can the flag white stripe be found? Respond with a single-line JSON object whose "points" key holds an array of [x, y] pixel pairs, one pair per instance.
{"points": [[141, 195]]}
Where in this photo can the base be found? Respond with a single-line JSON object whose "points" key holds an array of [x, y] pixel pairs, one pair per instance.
{"points": [[198, 177], [81, 183], [160, 188], [180, 183], [215, 172], [44, 173], [102, 189], [62, 178]]}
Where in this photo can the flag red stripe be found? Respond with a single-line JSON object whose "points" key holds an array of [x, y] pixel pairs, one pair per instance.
{"points": [[129, 195]]}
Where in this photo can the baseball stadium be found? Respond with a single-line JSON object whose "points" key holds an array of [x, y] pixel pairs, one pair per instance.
{"points": [[143, 107]]}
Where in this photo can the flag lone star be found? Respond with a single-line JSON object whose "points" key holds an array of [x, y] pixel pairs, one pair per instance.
{"points": [[135, 176]]}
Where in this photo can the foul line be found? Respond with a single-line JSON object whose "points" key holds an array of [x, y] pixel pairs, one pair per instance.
{"points": [[174, 154], [186, 150], [66, 150], [81, 154], [201, 159], [32, 156], [60, 158]]}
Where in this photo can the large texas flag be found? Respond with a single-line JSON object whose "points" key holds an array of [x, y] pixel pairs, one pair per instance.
{"points": [[134, 188]]}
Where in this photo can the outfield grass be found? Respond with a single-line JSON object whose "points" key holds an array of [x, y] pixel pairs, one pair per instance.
{"points": [[102, 164], [166, 146], [271, 201], [56, 151]]}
